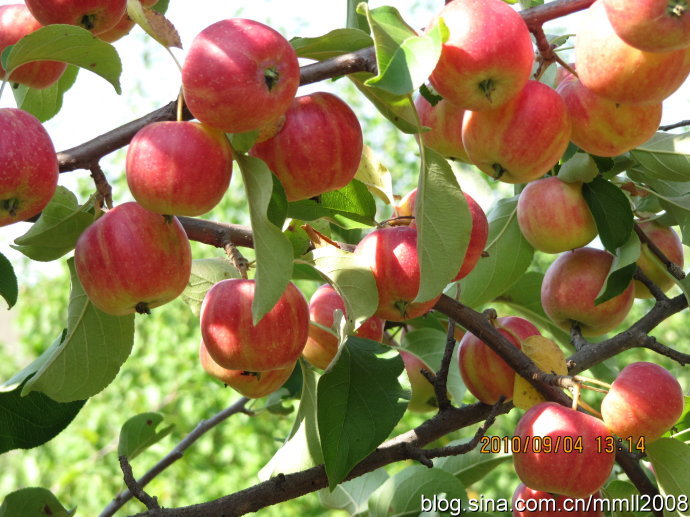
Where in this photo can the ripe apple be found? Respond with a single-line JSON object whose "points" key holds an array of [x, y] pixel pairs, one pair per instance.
{"points": [[96, 16], [651, 25], [667, 240], [644, 402], [613, 69], [553, 215], [16, 22], [28, 166], [485, 374], [445, 121], [318, 148], [322, 345], [180, 168], [571, 285], [247, 384], [478, 235], [124, 26], [391, 253], [133, 260], [521, 140], [534, 503], [488, 56], [234, 342], [239, 75], [558, 450], [423, 396]]}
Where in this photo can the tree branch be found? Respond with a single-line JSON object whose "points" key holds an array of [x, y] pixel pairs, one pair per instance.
{"points": [[673, 268], [682, 123], [135, 488]]}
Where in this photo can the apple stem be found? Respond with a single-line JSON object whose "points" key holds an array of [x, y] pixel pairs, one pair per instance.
{"points": [[589, 409], [271, 77], [576, 396], [88, 21], [592, 381], [142, 308]]}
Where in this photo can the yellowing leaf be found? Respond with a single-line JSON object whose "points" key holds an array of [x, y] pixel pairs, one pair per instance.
{"points": [[549, 358]]}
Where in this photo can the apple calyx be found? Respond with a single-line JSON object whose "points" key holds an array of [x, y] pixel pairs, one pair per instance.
{"points": [[10, 205], [487, 86], [271, 78], [401, 306], [677, 8], [142, 308], [88, 21], [500, 170]]}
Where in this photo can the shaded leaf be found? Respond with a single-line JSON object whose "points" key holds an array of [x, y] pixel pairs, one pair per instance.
{"points": [[472, 466], [154, 23], [9, 289], [34, 502], [622, 270], [619, 490], [352, 496], [671, 461], [206, 273], [580, 167], [335, 43], [45, 103], [666, 156], [399, 109], [611, 210], [354, 19], [139, 433]]}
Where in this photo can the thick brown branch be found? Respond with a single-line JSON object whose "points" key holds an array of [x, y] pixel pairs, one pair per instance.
{"points": [[653, 288], [215, 234]]}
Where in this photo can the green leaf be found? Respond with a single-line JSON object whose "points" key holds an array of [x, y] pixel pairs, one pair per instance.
{"points": [[354, 19], [90, 355], [354, 282], [335, 43], [154, 23], [350, 207], [139, 433], [622, 270], [70, 44], [403, 493], [243, 142], [273, 249], [34, 502], [509, 257], [618, 490], [9, 289], [444, 225], [360, 387], [666, 156], [429, 345], [580, 167], [206, 273], [301, 449], [375, 176], [57, 229], [161, 6], [399, 109], [278, 206], [45, 103], [671, 461], [472, 466], [611, 210], [405, 60], [352, 495]]}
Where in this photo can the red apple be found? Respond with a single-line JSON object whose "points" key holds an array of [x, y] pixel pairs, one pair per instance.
{"points": [[180, 168], [553, 215], [234, 342], [318, 148], [16, 22], [133, 260], [239, 75], [28, 166], [533, 503], [488, 56], [521, 140], [651, 25], [96, 16], [124, 26], [247, 384], [562, 451], [422, 396], [486, 375], [391, 253], [604, 127], [613, 69], [445, 123], [667, 240], [644, 402], [322, 345], [571, 285]]}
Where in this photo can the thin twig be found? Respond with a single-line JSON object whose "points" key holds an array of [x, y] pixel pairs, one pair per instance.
{"points": [[238, 260], [673, 268], [104, 196], [652, 344], [668, 127], [441, 381], [656, 291], [576, 337], [150, 502]]}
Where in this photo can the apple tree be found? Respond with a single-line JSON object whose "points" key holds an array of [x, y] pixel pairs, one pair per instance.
{"points": [[541, 332]]}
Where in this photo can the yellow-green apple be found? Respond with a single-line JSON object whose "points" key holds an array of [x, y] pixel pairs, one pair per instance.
{"points": [[180, 168], [445, 123], [124, 26], [16, 22], [651, 25], [571, 285], [247, 384], [535, 503], [391, 253], [644, 402], [667, 240], [422, 396], [554, 216], [93, 15], [562, 451], [28, 166], [487, 58], [318, 148], [234, 342], [486, 375], [521, 140], [322, 345], [239, 75], [133, 260], [478, 234], [613, 69], [604, 127]]}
